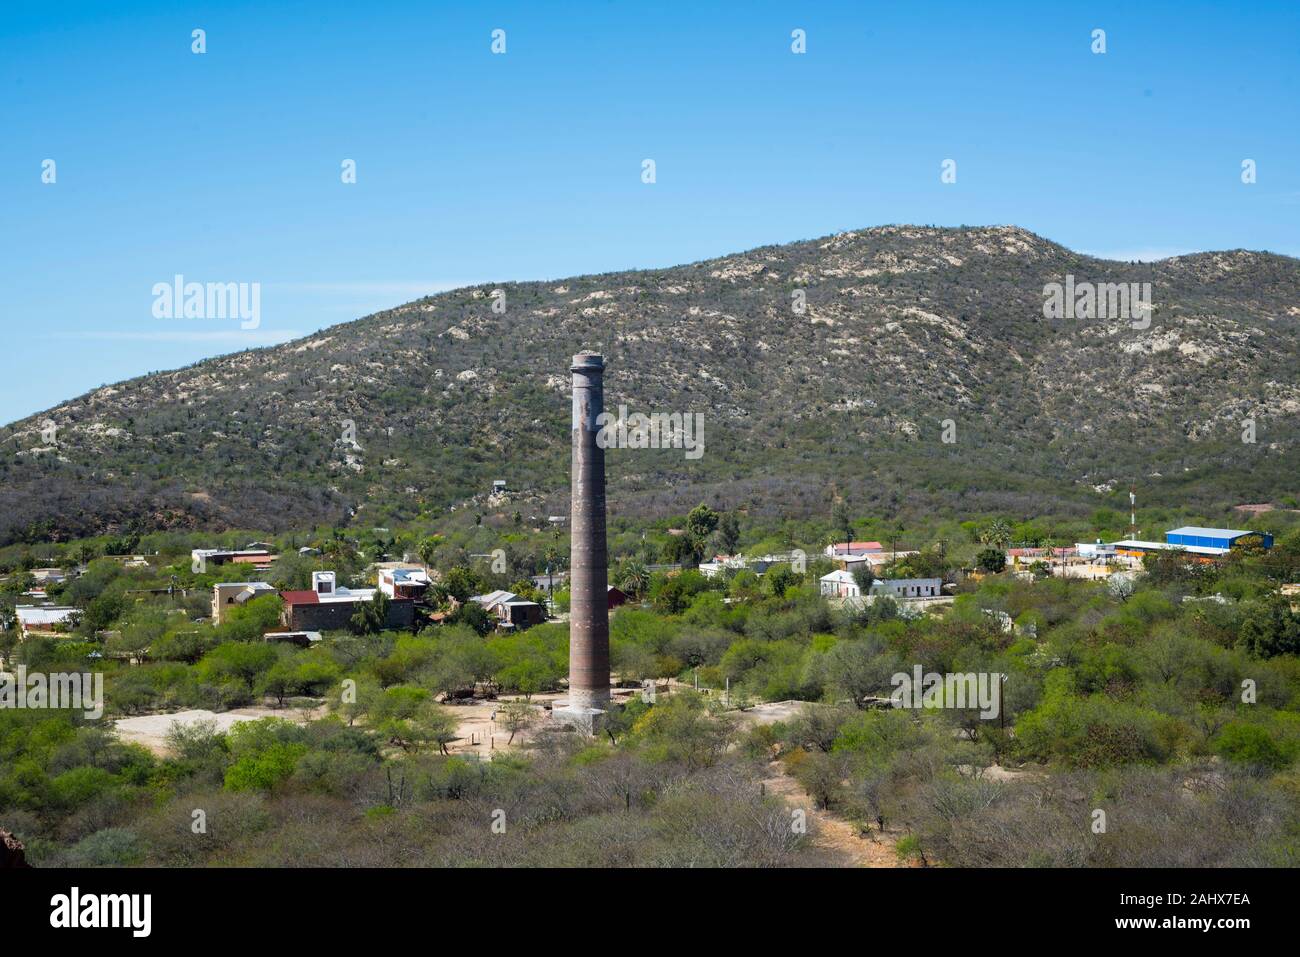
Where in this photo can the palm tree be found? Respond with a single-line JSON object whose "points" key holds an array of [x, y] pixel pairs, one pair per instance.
{"points": [[633, 577], [996, 534]]}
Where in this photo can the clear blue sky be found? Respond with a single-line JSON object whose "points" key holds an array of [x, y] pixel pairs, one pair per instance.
{"points": [[473, 167]]}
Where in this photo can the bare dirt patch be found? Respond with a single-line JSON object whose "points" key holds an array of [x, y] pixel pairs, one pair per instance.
{"points": [[151, 730]]}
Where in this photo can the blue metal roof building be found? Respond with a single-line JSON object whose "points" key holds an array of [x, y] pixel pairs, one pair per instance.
{"points": [[1212, 537]]}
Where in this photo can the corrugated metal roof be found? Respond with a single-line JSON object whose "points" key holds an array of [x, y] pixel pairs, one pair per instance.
{"points": [[1170, 547], [494, 597], [42, 614]]}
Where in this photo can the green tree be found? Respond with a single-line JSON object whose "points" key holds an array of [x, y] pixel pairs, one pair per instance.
{"points": [[475, 616], [632, 576], [857, 669], [996, 534], [779, 578], [700, 524], [279, 681], [864, 576], [1271, 630], [244, 661], [371, 617], [1250, 745], [427, 549], [516, 716], [409, 718], [529, 674], [461, 582], [356, 699], [842, 519], [265, 752], [729, 533], [681, 728]]}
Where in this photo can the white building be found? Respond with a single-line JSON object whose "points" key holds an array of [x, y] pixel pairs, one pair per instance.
{"points": [[721, 564], [840, 584], [201, 558], [326, 587], [404, 582], [908, 587], [1094, 550]]}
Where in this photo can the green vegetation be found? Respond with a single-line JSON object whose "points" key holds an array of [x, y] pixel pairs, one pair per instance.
{"points": [[1167, 699]]}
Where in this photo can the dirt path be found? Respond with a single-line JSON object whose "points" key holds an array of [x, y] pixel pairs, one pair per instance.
{"points": [[831, 833], [839, 837]]}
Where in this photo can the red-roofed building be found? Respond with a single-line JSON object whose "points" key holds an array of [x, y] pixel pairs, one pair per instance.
{"points": [[329, 607], [299, 598], [840, 549]]}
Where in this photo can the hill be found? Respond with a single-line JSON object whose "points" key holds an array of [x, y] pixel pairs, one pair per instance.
{"points": [[907, 332]]}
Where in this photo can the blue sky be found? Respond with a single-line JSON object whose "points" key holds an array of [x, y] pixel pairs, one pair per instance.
{"points": [[475, 167]]}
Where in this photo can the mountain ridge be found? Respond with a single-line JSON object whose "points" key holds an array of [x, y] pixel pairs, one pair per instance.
{"points": [[903, 328]]}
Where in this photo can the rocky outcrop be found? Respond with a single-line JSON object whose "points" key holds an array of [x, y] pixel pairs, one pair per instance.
{"points": [[12, 852]]}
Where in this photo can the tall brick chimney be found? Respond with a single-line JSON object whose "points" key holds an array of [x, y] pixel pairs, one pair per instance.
{"points": [[588, 598]]}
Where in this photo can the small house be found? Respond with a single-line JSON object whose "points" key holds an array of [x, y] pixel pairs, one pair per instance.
{"points": [[404, 582], [840, 584], [227, 595], [510, 610], [43, 620]]}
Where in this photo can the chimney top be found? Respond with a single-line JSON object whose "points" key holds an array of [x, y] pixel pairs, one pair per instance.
{"points": [[587, 362]]}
